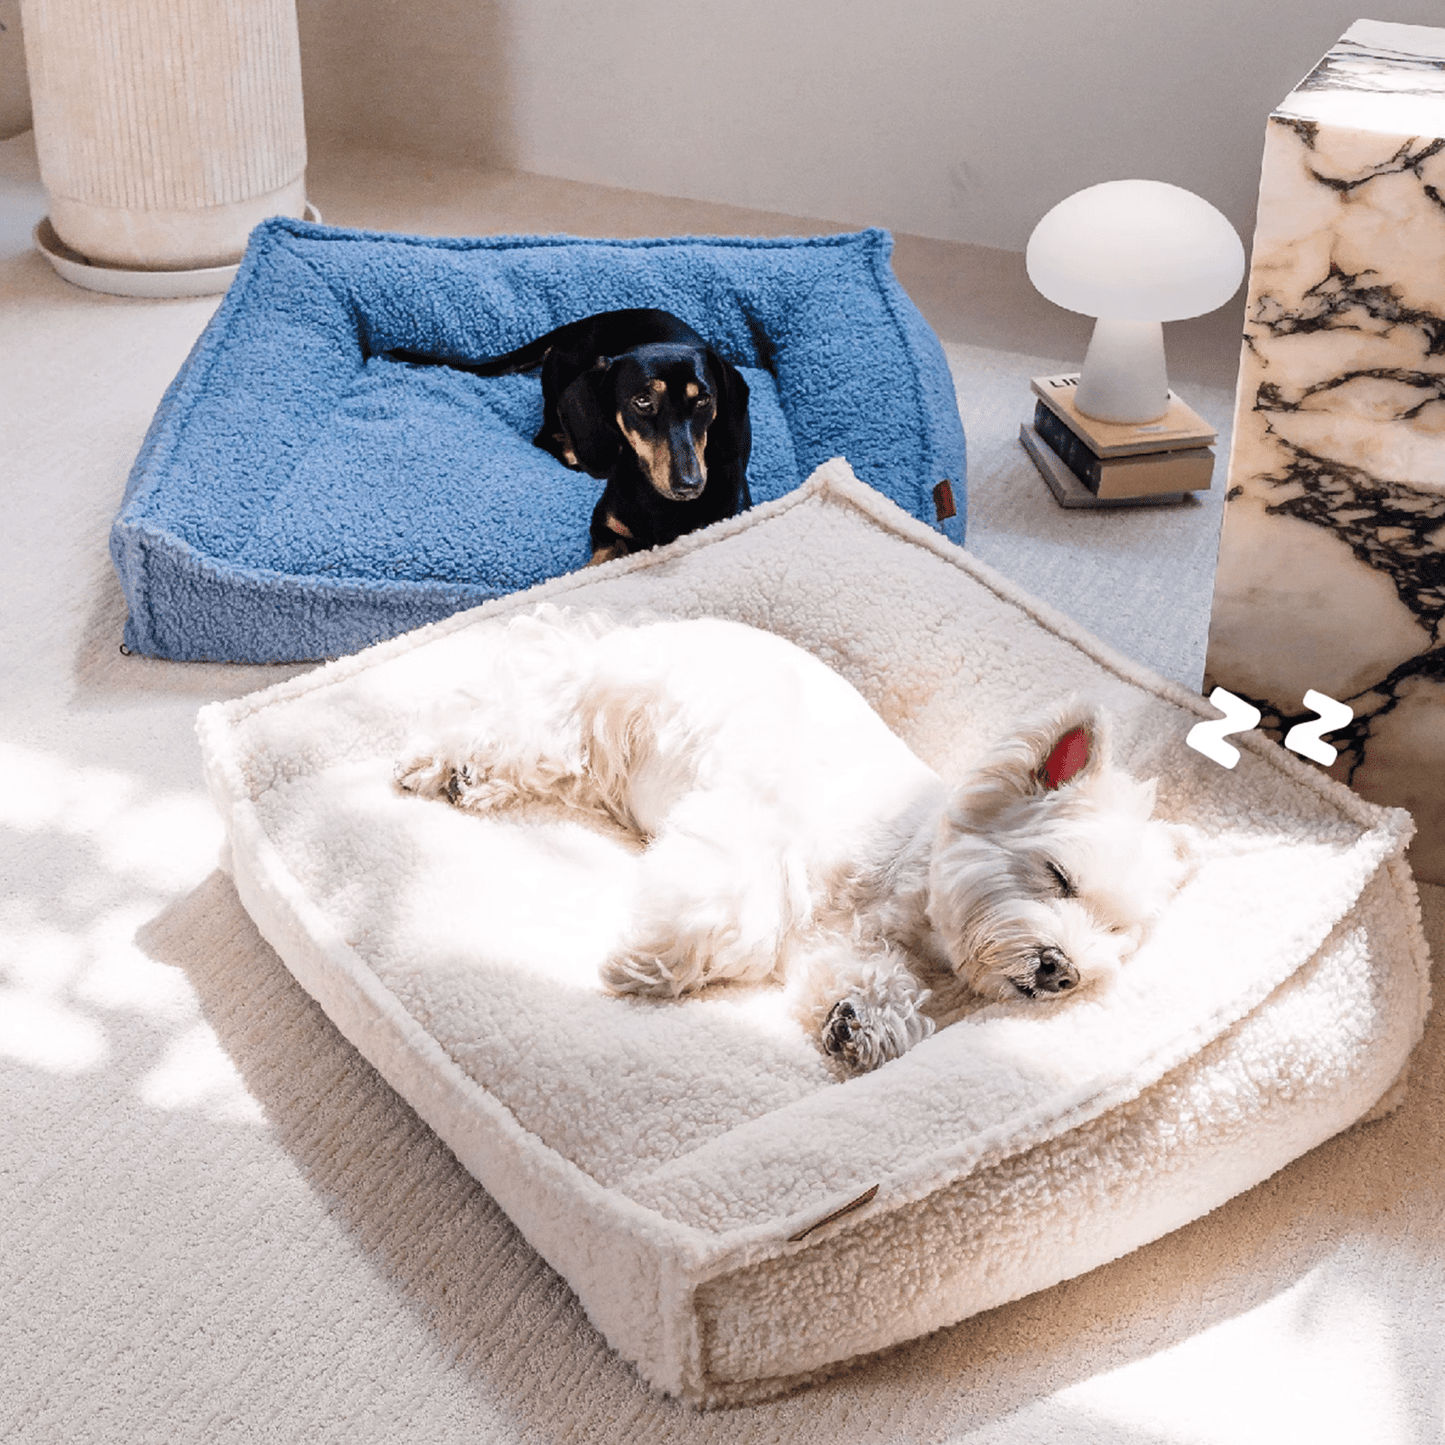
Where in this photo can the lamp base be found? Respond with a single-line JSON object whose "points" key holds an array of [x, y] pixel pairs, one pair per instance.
{"points": [[1124, 378]]}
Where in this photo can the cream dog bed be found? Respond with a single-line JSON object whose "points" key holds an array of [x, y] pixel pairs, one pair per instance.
{"points": [[736, 1219]]}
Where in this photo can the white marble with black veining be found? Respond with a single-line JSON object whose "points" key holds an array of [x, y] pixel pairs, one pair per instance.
{"points": [[1332, 562]]}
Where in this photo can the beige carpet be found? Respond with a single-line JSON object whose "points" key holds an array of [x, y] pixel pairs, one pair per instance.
{"points": [[218, 1224]]}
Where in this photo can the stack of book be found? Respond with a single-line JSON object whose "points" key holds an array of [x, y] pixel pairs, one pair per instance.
{"points": [[1090, 463]]}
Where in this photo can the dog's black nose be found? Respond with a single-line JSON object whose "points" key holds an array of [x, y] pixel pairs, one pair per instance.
{"points": [[1054, 973]]}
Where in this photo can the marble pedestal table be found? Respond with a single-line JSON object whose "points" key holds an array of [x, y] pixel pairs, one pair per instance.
{"points": [[1332, 561]]}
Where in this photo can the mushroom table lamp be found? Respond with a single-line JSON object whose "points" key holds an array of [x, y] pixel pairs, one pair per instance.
{"points": [[1133, 254]]}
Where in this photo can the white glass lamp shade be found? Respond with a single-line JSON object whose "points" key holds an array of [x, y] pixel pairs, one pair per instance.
{"points": [[1133, 254], [1135, 251]]}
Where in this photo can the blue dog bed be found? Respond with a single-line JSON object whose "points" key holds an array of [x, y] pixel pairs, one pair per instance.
{"points": [[300, 495]]}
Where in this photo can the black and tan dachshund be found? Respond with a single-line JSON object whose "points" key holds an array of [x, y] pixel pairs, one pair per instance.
{"points": [[638, 399]]}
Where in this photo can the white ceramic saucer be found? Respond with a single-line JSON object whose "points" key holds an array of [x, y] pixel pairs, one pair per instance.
{"points": [[127, 281]]}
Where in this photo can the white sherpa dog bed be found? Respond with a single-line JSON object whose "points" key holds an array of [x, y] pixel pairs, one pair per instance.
{"points": [[735, 1219]]}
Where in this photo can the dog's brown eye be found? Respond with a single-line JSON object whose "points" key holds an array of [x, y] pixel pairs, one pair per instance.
{"points": [[645, 404], [702, 402], [1062, 879]]}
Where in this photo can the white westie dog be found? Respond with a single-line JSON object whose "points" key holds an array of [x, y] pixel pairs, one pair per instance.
{"points": [[792, 837]]}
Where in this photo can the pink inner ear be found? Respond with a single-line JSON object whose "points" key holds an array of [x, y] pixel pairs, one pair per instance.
{"points": [[1070, 754]]}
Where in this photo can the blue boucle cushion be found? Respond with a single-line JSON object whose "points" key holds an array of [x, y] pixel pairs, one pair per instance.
{"points": [[299, 495]]}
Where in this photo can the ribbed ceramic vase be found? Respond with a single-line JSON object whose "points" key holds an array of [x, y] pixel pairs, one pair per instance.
{"points": [[166, 129]]}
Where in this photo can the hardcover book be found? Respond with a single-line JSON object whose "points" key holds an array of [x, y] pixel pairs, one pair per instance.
{"points": [[1068, 490], [1187, 469], [1180, 427]]}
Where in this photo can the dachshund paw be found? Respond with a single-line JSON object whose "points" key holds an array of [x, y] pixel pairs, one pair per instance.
{"points": [[607, 553]]}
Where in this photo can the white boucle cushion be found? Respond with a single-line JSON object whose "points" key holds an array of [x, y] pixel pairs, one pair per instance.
{"points": [[688, 1166]]}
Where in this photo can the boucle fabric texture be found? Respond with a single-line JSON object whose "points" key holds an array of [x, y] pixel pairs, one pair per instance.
{"points": [[688, 1165], [299, 495]]}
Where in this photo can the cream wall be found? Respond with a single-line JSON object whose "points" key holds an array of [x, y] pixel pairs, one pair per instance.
{"points": [[962, 120]]}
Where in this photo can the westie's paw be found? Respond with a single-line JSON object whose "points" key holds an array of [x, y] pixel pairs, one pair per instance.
{"points": [[632, 970], [436, 773], [426, 771], [864, 1035], [843, 1029]]}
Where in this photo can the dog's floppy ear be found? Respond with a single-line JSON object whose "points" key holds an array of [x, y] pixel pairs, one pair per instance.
{"points": [[585, 410], [1067, 758], [730, 437], [1044, 756], [1068, 749]]}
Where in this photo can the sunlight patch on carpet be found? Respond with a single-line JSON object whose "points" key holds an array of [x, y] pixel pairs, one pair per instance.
{"points": [[166, 840], [1310, 1364], [196, 1074], [44, 1034]]}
